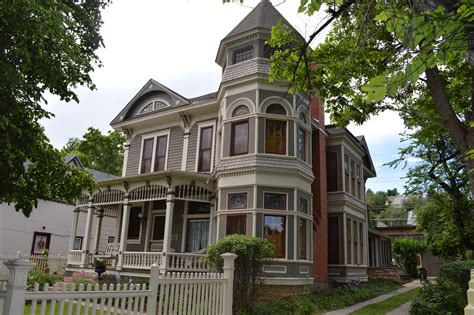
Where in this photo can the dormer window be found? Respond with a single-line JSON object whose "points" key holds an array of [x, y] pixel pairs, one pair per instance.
{"points": [[152, 106], [243, 54]]}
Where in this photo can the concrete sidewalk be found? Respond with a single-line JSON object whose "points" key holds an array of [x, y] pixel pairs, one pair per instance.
{"points": [[406, 287]]}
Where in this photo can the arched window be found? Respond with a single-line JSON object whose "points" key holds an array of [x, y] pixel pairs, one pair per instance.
{"points": [[276, 109], [302, 117], [240, 111], [152, 106]]}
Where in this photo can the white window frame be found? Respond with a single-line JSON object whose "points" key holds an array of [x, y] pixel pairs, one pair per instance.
{"points": [[202, 125], [286, 231], [154, 136]]}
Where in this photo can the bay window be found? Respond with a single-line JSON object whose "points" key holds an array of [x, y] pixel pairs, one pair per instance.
{"points": [[239, 139]]}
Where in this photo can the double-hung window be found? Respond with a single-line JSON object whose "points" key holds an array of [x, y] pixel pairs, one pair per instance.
{"points": [[154, 153], [275, 131], [205, 149]]}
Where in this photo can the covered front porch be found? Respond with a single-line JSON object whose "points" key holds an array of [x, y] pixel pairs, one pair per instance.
{"points": [[163, 218]]}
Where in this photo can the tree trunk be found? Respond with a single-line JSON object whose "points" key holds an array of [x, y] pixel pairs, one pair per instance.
{"points": [[462, 135]]}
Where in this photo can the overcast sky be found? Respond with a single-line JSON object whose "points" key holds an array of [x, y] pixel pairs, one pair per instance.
{"points": [[175, 42]]}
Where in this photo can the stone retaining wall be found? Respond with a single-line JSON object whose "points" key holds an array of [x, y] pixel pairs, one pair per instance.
{"points": [[391, 273]]}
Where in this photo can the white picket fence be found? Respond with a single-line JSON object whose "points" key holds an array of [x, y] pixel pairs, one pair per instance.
{"points": [[168, 293], [46, 264]]}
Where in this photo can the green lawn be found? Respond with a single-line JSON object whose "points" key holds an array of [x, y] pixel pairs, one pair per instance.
{"points": [[389, 304]]}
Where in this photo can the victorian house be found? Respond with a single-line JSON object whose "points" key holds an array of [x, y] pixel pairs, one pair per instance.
{"points": [[248, 159]]}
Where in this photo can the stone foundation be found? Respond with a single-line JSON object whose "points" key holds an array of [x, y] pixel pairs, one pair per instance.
{"points": [[390, 273]]}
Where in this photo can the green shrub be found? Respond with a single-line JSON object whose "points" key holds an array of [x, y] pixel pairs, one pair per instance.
{"points": [[84, 281], [458, 272], [442, 297], [252, 254], [405, 250], [41, 278]]}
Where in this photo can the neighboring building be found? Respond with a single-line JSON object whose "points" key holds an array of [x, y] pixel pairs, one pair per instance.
{"points": [[47, 227], [248, 159]]}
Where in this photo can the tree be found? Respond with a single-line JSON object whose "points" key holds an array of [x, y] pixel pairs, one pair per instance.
{"points": [[100, 152], [45, 46], [392, 192], [377, 199], [405, 251], [386, 52]]}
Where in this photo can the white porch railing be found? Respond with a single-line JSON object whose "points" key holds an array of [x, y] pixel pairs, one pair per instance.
{"points": [[74, 257], [170, 293], [141, 260], [186, 262]]}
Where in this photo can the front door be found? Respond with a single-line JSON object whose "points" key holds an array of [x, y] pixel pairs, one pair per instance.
{"points": [[157, 232]]}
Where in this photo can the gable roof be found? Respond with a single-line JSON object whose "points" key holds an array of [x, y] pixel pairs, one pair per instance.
{"points": [[98, 175], [150, 87]]}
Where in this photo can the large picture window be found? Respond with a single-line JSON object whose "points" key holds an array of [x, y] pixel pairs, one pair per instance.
{"points": [[275, 137], [205, 149], [236, 224], [239, 142], [154, 151], [275, 233], [274, 201]]}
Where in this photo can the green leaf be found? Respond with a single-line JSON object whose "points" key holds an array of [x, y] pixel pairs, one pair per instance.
{"points": [[382, 16]]}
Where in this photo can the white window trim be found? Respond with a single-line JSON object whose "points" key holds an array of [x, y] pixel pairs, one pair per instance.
{"points": [[154, 136], [137, 241], [202, 125]]}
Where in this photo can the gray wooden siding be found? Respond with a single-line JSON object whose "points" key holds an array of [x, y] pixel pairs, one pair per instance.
{"points": [[293, 270], [192, 148], [264, 94], [175, 151], [134, 156], [252, 95]]}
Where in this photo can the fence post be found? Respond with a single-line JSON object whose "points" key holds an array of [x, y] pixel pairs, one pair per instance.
{"points": [[154, 279], [469, 310], [228, 269], [163, 263], [16, 287]]}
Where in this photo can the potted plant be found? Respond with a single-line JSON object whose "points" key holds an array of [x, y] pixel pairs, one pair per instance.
{"points": [[99, 264]]}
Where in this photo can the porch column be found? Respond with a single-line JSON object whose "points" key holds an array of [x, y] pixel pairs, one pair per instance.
{"points": [[98, 227], [211, 213], [75, 220], [123, 232], [168, 219], [87, 235]]}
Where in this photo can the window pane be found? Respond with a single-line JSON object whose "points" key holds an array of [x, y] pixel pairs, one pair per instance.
{"points": [[275, 137], [243, 54], [197, 236], [204, 160], [276, 109], [300, 145], [134, 224], [275, 233], [240, 110], [303, 205], [302, 239], [237, 201], [158, 227], [198, 207], [160, 157], [274, 201], [236, 224], [147, 155], [77, 243], [147, 108], [239, 138]]}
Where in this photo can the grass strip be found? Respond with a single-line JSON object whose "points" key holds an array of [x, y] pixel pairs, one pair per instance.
{"points": [[389, 304]]}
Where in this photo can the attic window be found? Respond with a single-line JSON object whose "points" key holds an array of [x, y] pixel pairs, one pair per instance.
{"points": [[243, 54], [152, 106]]}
